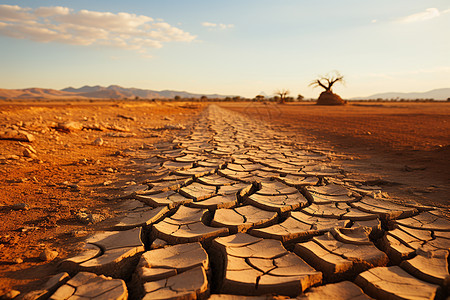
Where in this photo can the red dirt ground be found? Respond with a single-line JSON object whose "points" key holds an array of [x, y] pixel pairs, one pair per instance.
{"points": [[68, 158], [407, 144]]}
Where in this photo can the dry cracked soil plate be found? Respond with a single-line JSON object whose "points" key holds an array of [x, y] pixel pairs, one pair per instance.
{"points": [[232, 172], [255, 266]]}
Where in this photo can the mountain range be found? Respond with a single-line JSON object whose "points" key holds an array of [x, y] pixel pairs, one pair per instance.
{"points": [[99, 92], [118, 92], [437, 94]]}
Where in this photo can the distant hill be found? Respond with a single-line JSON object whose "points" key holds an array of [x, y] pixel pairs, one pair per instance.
{"points": [[99, 92], [36, 93], [121, 92], [437, 94]]}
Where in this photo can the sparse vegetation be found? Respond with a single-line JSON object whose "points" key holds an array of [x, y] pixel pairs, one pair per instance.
{"points": [[282, 95], [260, 98]]}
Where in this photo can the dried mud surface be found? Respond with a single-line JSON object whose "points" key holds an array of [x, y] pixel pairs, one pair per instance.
{"points": [[69, 175], [72, 174], [405, 145]]}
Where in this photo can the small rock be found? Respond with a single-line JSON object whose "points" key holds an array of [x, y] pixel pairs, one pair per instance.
{"points": [[110, 170], [28, 153], [18, 260], [118, 153], [118, 128], [73, 186], [28, 228], [36, 295], [98, 142], [48, 255], [108, 182], [17, 135], [20, 206], [11, 294], [83, 161], [95, 126], [121, 134], [12, 157], [174, 127], [88, 218], [127, 117], [147, 147], [69, 126], [158, 243], [78, 233], [29, 147]]}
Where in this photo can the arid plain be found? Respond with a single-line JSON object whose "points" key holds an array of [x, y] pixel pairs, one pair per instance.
{"points": [[405, 143], [75, 170]]}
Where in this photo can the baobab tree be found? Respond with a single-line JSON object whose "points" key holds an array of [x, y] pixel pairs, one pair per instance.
{"points": [[326, 82], [283, 93]]}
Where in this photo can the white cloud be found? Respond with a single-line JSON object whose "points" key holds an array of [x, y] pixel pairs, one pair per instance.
{"points": [[14, 13], [84, 27], [225, 26], [217, 26], [113, 22], [34, 33], [51, 11], [208, 24], [429, 13]]}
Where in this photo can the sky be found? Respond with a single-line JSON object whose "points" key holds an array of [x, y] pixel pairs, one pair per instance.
{"points": [[233, 47]]}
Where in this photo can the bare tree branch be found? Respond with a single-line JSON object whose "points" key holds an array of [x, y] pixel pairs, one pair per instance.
{"points": [[283, 93], [327, 81]]}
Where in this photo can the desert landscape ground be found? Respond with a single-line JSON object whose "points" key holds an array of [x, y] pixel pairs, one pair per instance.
{"points": [[87, 159], [405, 143], [68, 174]]}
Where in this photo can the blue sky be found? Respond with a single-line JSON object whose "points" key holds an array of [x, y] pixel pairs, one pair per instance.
{"points": [[235, 47]]}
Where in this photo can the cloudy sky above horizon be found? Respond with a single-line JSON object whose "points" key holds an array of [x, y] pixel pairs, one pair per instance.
{"points": [[236, 47]]}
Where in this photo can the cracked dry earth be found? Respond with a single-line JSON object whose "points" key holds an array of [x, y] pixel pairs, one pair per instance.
{"points": [[232, 209]]}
